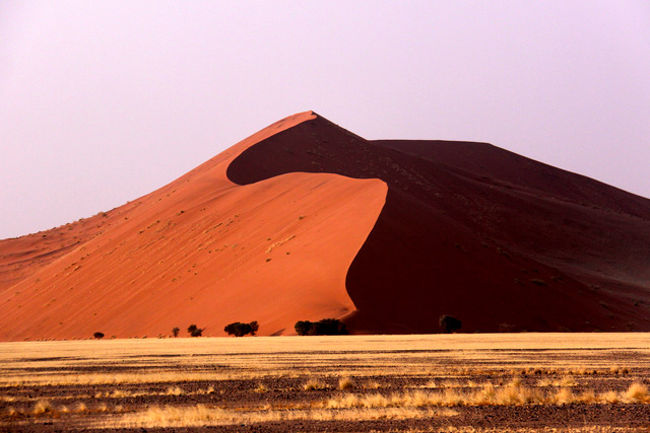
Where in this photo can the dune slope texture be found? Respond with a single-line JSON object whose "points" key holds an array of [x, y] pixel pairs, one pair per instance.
{"points": [[305, 220], [200, 250]]}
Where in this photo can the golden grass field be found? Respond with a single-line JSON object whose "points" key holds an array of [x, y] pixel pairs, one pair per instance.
{"points": [[415, 383]]}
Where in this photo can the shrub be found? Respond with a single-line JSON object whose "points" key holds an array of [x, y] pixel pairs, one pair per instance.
{"points": [[322, 327], [194, 330], [239, 329], [303, 327], [449, 324], [254, 327], [330, 327], [98, 335], [175, 331]]}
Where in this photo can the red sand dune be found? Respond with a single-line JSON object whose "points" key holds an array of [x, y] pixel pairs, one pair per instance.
{"points": [[305, 220]]}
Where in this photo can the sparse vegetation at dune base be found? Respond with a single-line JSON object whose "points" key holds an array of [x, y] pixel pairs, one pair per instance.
{"points": [[322, 327], [419, 383]]}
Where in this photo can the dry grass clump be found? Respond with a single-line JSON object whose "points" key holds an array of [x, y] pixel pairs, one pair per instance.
{"points": [[451, 383], [44, 408], [174, 390], [171, 390], [261, 389], [578, 429], [371, 384], [208, 390], [511, 394], [119, 378], [200, 415], [314, 385], [346, 383], [583, 371], [117, 393], [41, 407], [637, 392]]}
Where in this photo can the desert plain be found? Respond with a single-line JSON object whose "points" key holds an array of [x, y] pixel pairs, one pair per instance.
{"points": [[525, 382]]}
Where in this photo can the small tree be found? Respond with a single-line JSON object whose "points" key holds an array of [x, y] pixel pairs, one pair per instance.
{"points": [[254, 327], [239, 329], [175, 331], [322, 327], [330, 327], [303, 327], [194, 330], [449, 324], [98, 335]]}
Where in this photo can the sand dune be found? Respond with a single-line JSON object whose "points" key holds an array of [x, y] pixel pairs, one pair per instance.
{"points": [[200, 250], [305, 220]]}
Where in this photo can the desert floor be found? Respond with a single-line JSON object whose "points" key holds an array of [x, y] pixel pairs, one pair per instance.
{"points": [[416, 383]]}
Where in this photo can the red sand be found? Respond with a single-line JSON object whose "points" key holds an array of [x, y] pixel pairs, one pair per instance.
{"points": [[200, 250], [305, 220]]}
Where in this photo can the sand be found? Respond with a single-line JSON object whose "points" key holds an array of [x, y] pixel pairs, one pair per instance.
{"points": [[199, 250]]}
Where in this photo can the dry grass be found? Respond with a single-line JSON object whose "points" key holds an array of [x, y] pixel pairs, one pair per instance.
{"points": [[174, 390], [451, 383], [314, 385], [116, 379], [261, 389], [44, 408], [346, 383], [371, 384], [637, 392], [511, 394], [581, 429], [171, 390], [199, 415]]}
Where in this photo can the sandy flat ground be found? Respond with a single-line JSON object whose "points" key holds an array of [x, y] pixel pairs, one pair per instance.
{"points": [[465, 382]]}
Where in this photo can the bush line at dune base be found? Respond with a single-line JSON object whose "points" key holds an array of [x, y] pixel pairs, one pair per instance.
{"points": [[322, 327], [448, 324]]}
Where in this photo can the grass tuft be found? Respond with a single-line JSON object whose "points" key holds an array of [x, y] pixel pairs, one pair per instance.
{"points": [[314, 385], [637, 393], [346, 383]]}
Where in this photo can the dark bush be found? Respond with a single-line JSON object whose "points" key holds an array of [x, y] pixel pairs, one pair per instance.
{"points": [[449, 324], [239, 329], [175, 331], [303, 327], [254, 327], [194, 331], [98, 335], [322, 327]]}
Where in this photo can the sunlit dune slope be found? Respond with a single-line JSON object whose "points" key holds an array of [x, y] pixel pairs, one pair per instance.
{"points": [[498, 240], [199, 250]]}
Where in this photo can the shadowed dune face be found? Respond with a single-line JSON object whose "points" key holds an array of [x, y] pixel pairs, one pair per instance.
{"points": [[500, 241]]}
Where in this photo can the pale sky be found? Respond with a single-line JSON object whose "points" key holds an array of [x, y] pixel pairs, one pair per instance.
{"points": [[102, 102]]}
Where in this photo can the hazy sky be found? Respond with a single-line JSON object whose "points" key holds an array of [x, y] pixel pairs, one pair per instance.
{"points": [[102, 102]]}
